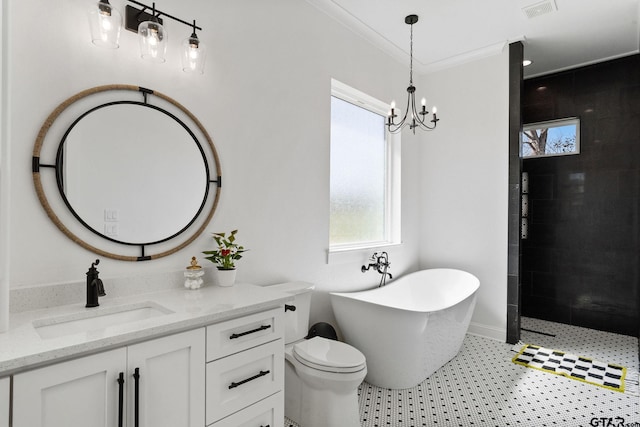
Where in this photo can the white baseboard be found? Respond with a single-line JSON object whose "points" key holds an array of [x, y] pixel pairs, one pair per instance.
{"points": [[491, 332]]}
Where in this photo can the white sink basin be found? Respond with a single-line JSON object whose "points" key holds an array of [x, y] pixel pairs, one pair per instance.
{"points": [[97, 319]]}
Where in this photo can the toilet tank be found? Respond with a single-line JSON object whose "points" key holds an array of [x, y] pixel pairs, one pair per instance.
{"points": [[296, 322]]}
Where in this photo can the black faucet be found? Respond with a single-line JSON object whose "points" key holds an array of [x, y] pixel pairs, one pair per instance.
{"points": [[381, 263], [95, 288]]}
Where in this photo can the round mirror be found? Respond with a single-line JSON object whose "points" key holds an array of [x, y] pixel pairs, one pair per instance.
{"points": [[134, 169]]}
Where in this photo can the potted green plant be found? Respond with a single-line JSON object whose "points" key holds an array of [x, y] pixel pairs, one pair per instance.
{"points": [[225, 256]]}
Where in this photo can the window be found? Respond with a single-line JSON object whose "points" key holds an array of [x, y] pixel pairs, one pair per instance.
{"points": [[365, 172], [553, 138]]}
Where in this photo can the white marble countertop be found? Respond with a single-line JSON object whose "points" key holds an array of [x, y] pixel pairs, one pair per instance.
{"points": [[22, 348]]}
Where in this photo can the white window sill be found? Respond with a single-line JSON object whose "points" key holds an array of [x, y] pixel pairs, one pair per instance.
{"points": [[356, 254]]}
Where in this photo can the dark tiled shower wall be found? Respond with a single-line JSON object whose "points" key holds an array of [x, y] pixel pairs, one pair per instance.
{"points": [[516, 54], [580, 262]]}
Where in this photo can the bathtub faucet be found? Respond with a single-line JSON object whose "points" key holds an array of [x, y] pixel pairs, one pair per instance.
{"points": [[381, 263]]}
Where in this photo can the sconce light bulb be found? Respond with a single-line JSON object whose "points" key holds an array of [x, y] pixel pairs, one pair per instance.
{"points": [[424, 101], [393, 104], [435, 110], [105, 22], [194, 44]]}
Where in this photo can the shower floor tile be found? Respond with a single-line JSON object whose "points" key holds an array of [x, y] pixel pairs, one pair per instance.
{"points": [[482, 387]]}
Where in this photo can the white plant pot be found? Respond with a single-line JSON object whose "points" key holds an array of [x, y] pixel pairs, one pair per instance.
{"points": [[225, 277]]}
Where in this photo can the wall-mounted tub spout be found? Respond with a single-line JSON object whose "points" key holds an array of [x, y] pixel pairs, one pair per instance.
{"points": [[379, 260]]}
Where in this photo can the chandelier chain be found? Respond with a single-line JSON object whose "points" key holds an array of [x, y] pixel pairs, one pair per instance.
{"points": [[411, 57]]}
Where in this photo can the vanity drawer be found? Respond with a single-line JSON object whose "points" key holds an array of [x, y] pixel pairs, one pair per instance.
{"points": [[236, 382], [267, 412], [236, 335]]}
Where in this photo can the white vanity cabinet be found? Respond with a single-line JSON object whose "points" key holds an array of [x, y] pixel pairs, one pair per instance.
{"points": [[83, 392], [87, 391], [172, 381], [5, 399], [245, 371]]}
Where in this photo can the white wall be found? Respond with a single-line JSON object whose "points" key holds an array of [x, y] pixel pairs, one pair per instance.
{"points": [[464, 177], [4, 179], [264, 98]]}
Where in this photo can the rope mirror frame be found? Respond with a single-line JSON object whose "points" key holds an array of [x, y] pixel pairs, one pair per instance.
{"points": [[40, 191]]}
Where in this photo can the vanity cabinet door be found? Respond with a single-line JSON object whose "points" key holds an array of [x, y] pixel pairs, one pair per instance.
{"points": [[81, 392], [5, 398], [171, 381]]}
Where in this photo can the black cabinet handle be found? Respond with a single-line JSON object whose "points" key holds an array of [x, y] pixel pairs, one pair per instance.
{"points": [[120, 398], [239, 383], [241, 334], [136, 419], [288, 307]]}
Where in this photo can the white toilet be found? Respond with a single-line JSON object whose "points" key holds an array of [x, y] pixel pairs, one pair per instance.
{"points": [[321, 375]]}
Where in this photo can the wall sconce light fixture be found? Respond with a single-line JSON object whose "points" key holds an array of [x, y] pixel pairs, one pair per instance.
{"points": [[105, 22]]}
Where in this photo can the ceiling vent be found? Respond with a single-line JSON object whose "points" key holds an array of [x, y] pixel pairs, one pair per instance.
{"points": [[540, 8]]}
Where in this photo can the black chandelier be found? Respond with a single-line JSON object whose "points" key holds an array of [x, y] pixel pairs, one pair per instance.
{"points": [[417, 119]]}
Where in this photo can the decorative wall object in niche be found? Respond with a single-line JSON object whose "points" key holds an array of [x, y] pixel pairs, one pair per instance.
{"points": [[126, 172], [552, 138]]}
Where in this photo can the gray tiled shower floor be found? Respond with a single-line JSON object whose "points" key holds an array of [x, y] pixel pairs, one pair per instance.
{"points": [[482, 387]]}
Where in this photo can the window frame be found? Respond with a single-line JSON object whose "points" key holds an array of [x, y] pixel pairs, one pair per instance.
{"points": [[550, 124], [392, 214]]}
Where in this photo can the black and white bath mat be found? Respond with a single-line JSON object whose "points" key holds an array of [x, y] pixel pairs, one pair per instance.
{"points": [[601, 374]]}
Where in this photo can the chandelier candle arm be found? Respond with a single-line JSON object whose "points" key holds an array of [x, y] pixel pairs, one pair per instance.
{"points": [[418, 117]]}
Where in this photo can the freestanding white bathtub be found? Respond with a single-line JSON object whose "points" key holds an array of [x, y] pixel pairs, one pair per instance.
{"points": [[409, 328]]}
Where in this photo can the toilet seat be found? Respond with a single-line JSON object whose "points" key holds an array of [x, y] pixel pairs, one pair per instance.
{"points": [[328, 355]]}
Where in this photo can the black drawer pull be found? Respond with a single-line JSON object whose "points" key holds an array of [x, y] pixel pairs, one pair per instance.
{"points": [[288, 307], [265, 426], [241, 334], [136, 416], [120, 398], [255, 377]]}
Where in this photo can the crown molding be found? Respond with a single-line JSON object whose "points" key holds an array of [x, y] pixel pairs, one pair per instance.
{"points": [[339, 14]]}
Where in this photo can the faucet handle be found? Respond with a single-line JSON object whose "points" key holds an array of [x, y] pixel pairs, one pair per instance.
{"points": [[100, 286], [92, 269]]}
